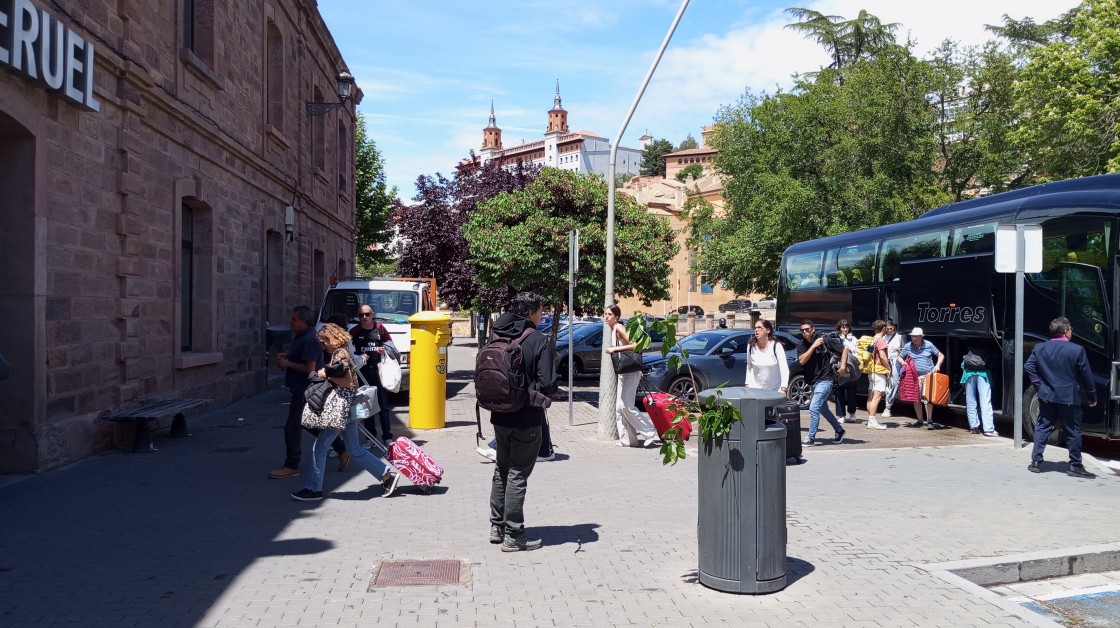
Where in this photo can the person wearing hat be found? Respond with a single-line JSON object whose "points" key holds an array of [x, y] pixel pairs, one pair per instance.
{"points": [[926, 359]]}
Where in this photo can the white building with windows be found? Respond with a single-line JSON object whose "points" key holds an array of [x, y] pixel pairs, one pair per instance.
{"points": [[581, 151]]}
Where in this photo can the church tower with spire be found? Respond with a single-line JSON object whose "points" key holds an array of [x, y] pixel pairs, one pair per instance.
{"points": [[492, 135], [557, 116]]}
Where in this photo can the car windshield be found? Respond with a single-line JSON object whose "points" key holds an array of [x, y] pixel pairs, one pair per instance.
{"points": [[391, 306], [698, 344], [581, 331]]}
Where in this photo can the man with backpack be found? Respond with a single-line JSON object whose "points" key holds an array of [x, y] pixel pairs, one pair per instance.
{"points": [[815, 357], [873, 361], [514, 375]]}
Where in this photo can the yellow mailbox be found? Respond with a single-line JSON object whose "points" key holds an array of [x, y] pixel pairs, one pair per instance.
{"points": [[427, 391]]}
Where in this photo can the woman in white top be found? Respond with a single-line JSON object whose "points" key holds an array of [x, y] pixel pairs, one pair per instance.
{"points": [[846, 394], [634, 427], [766, 360]]}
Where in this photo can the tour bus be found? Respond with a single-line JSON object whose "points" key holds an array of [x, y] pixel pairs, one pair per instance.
{"points": [[393, 300], [937, 272]]}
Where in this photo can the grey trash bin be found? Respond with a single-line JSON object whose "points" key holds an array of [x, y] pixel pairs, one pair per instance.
{"points": [[742, 498]]}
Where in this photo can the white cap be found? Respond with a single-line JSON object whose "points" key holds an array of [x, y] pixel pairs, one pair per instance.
{"points": [[917, 331]]}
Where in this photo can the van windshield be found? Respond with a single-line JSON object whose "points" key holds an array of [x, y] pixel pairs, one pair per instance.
{"points": [[389, 306]]}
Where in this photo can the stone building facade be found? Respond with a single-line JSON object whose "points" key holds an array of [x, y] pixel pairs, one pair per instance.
{"points": [[149, 155]]}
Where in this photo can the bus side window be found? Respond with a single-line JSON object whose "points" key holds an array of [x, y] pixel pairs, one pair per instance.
{"points": [[803, 271], [972, 239]]}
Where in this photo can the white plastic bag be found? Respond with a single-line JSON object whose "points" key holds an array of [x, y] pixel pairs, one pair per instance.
{"points": [[390, 372]]}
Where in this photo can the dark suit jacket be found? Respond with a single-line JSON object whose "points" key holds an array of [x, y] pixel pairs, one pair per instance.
{"points": [[1060, 371]]}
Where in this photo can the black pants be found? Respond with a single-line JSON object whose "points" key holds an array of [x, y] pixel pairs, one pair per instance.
{"points": [[845, 400], [546, 441], [293, 433], [517, 450]]}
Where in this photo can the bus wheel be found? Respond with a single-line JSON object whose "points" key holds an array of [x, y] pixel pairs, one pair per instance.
{"points": [[799, 391], [1030, 420]]}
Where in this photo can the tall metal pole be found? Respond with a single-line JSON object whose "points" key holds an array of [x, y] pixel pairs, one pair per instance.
{"points": [[1017, 390], [608, 381], [573, 278]]}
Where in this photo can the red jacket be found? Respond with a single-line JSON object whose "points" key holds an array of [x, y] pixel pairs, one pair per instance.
{"points": [[908, 388]]}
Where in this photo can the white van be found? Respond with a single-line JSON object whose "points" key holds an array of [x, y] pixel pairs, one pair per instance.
{"points": [[393, 300]]}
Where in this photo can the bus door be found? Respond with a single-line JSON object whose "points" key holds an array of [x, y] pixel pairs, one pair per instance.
{"points": [[1082, 301], [1114, 368], [866, 307]]}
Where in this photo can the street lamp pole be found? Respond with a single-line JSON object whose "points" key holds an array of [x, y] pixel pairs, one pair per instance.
{"points": [[608, 381]]}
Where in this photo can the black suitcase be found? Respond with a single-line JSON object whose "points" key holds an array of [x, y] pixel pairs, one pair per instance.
{"points": [[790, 415]]}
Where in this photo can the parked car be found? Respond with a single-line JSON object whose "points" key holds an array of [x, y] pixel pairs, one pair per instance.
{"points": [[716, 357], [767, 303], [684, 309], [735, 305], [588, 351]]}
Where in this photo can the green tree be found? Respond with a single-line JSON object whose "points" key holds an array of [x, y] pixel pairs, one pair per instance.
{"points": [[653, 158], [1068, 97], [826, 158], [691, 171], [1026, 33], [973, 101], [373, 202], [847, 41], [688, 142], [622, 178], [519, 240]]}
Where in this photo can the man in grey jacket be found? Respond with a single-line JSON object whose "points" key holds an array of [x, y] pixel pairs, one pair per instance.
{"points": [[1060, 371]]}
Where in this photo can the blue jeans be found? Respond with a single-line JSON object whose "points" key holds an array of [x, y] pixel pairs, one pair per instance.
{"points": [[892, 386], [819, 405], [360, 456], [1049, 414], [978, 392]]}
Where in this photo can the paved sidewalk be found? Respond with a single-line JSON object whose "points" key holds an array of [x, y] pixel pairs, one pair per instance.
{"points": [[196, 535]]}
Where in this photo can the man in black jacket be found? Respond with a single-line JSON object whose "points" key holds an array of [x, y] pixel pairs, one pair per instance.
{"points": [[1060, 371], [519, 433]]}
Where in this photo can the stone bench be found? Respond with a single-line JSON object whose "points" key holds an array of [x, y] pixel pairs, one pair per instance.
{"points": [[141, 415]]}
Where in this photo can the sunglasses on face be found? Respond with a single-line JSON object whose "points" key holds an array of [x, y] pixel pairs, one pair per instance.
{"points": [[806, 330], [366, 314]]}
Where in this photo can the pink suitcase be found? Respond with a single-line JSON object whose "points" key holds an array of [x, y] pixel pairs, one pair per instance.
{"points": [[415, 464]]}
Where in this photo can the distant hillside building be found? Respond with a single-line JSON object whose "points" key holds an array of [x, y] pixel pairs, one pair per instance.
{"points": [[582, 151]]}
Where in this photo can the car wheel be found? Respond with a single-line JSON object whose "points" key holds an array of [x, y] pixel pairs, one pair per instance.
{"points": [[684, 388], [799, 391], [562, 368], [1030, 420]]}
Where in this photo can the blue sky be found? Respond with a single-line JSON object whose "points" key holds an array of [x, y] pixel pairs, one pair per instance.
{"points": [[429, 68]]}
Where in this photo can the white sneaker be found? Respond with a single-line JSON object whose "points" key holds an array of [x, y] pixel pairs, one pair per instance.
{"points": [[853, 418], [488, 453], [887, 413], [551, 456], [840, 419], [875, 424]]}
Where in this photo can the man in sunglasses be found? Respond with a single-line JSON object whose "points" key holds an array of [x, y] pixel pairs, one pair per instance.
{"points": [[372, 339], [814, 357]]}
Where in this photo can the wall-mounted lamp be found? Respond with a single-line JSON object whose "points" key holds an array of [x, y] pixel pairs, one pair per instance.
{"points": [[289, 223], [345, 84]]}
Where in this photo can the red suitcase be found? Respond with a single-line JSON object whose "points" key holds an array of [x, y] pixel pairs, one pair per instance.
{"points": [[414, 463], [661, 408]]}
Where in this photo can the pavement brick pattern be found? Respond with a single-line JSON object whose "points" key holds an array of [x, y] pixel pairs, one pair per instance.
{"points": [[195, 535]]}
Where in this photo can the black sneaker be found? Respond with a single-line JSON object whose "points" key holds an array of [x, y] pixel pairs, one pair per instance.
{"points": [[1078, 471], [974, 430], [520, 544], [839, 438], [497, 534], [388, 438], [915, 424], [307, 495], [1035, 467]]}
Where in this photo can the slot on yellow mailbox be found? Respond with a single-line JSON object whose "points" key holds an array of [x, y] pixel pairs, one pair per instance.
{"points": [[427, 392]]}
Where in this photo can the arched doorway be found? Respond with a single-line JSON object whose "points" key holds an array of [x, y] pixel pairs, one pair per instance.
{"points": [[21, 330]]}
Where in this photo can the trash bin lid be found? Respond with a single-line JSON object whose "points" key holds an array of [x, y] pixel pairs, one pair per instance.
{"points": [[430, 317], [733, 393]]}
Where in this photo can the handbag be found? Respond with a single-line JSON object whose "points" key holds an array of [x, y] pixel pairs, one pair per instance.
{"points": [[335, 413], [389, 370], [626, 361], [364, 404]]}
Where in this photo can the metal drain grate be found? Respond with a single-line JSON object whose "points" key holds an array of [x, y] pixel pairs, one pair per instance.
{"points": [[403, 573]]}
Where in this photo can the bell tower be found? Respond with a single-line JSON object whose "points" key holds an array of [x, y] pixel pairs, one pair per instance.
{"points": [[557, 116], [492, 135]]}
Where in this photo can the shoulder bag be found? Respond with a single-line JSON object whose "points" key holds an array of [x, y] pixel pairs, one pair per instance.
{"points": [[627, 361]]}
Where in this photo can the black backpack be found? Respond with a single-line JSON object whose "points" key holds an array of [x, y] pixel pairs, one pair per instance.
{"points": [[500, 381], [975, 359], [835, 345]]}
